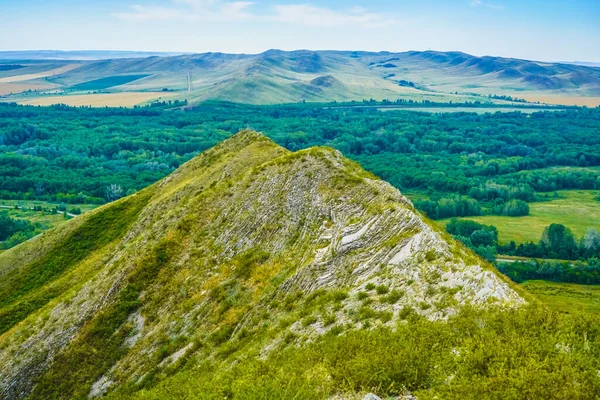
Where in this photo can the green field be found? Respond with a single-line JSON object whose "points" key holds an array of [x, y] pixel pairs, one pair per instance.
{"points": [[45, 218], [108, 82], [576, 209], [568, 297]]}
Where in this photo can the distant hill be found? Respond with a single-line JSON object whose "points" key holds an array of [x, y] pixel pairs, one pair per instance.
{"points": [[79, 54], [236, 246], [277, 76], [584, 63]]}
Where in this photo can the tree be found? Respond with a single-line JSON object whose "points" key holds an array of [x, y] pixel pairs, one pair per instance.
{"points": [[484, 237], [114, 192], [515, 208], [559, 242], [590, 243]]}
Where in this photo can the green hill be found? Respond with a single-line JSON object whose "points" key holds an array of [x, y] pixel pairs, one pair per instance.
{"points": [[277, 76], [246, 249]]}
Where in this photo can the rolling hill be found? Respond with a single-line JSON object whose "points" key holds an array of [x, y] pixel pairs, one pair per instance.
{"points": [[277, 76], [246, 249]]}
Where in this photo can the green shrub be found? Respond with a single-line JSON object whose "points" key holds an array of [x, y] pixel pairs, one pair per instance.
{"points": [[405, 312], [311, 319], [381, 289], [394, 296], [362, 295], [501, 355]]}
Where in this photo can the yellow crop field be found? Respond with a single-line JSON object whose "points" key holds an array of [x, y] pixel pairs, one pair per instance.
{"points": [[7, 88], [124, 99], [564, 99], [28, 77]]}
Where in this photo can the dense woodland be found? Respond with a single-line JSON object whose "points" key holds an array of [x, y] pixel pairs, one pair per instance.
{"points": [[68, 154], [587, 273], [466, 164]]}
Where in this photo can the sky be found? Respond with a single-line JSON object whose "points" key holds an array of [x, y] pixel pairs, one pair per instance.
{"points": [[548, 30]]}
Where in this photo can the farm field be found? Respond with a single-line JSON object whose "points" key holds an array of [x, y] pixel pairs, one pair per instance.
{"points": [[46, 218], [567, 297], [44, 74], [564, 100], [19, 87], [108, 82], [125, 99], [575, 209]]}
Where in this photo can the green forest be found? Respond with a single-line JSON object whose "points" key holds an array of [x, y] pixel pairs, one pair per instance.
{"points": [[73, 154], [459, 164]]}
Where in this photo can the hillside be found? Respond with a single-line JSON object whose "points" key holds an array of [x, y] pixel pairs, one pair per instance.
{"points": [[246, 249], [277, 76]]}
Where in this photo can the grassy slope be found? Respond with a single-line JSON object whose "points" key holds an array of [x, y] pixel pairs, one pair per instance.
{"points": [[576, 209], [531, 353], [28, 286], [51, 269], [568, 297]]}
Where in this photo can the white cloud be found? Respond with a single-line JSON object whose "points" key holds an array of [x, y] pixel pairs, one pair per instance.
{"points": [[307, 14], [217, 10], [478, 3], [139, 13], [188, 10], [237, 9]]}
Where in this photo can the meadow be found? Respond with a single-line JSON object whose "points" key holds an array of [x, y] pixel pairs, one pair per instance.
{"points": [[576, 209], [44, 215]]}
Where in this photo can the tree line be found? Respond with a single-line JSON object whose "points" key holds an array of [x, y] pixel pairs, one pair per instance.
{"points": [[557, 242]]}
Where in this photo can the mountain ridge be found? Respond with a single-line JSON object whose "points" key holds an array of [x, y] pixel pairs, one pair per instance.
{"points": [[277, 76], [246, 246]]}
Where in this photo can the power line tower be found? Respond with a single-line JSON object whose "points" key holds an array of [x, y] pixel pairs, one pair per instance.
{"points": [[189, 79]]}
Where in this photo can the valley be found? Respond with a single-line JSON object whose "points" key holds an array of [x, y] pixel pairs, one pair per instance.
{"points": [[324, 200], [170, 250]]}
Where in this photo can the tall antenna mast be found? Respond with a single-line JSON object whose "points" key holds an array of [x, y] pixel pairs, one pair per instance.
{"points": [[189, 77]]}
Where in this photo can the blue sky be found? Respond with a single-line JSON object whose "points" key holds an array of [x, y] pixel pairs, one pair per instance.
{"points": [[553, 30]]}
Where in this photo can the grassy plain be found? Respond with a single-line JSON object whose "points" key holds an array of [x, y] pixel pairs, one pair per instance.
{"points": [[568, 297], [576, 209]]}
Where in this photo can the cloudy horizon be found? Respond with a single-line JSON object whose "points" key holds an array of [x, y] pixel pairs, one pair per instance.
{"points": [[550, 30]]}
